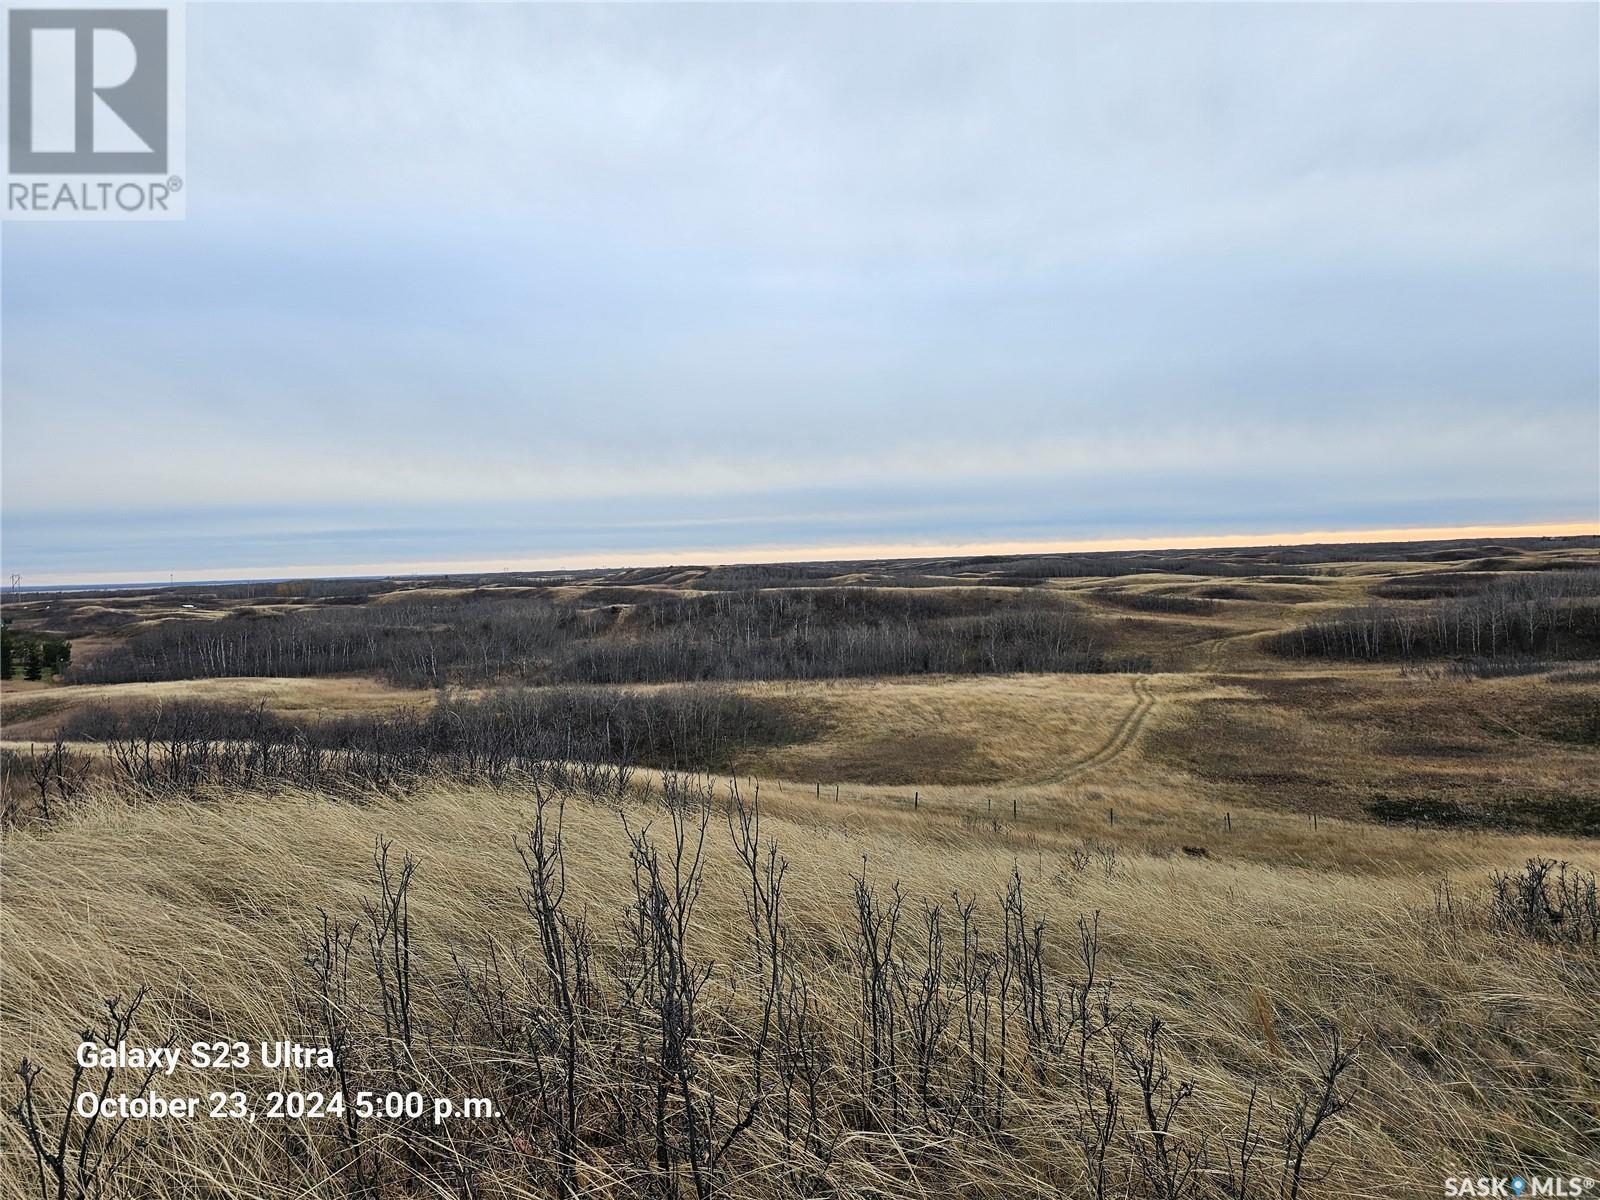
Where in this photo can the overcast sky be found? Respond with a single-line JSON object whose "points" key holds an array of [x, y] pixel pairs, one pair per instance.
{"points": [[511, 284]]}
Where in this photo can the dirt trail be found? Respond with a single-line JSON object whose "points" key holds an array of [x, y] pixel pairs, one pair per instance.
{"points": [[1123, 736]]}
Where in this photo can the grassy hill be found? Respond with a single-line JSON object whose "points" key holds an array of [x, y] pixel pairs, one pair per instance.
{"points": [[1204, 918]]}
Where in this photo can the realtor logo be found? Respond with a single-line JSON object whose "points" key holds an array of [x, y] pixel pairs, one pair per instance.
{"points": [[88, 91], [94, 124]]}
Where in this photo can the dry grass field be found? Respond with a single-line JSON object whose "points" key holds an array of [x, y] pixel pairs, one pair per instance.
{"points": [[1201, 918]]}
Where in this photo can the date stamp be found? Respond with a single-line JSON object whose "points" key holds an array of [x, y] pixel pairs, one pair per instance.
{"points": [[236, 1104]]}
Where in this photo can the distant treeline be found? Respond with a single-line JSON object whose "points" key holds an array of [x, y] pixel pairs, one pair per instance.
{"points": [[1089, 566], [1477, 578], [1162, 602], [1552, 614], [431, 640], [425, 641], [1435, 585], [561, 734], [821, 633]]}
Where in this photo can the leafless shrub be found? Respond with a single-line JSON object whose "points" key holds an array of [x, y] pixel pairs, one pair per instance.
{"points": [[690, 1124], [80, 1157], [1318, 1101], [571, 739], [1098, 1123], [643, 1060], [975, 978], [54, 774], [877, 927], [1171, 1161], [1024, 948], [1547, 901], [328, 961], [564, 942], [928, 1005], [388, 932], [1242, 1153]]}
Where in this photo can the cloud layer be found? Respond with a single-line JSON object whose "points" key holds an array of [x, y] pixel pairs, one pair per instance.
{"points": [[522, 281]]}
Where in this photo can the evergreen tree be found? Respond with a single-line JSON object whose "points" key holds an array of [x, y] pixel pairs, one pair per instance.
{"points": [[35, 668], [8, 665]]}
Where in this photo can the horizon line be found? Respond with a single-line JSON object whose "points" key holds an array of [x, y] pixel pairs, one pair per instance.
{"points": [[848, 552]]}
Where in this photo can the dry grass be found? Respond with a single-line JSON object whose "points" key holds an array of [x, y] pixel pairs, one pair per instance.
{"points": [[1337, 740], [956, 729], [1477, 1050]]}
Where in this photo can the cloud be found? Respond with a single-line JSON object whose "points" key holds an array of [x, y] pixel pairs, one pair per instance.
{"points": [[453, 266]]}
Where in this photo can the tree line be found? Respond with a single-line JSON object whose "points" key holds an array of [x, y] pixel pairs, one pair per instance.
{"points": [[822, 633], [808, 633], [556, 734], [1553, 614]]}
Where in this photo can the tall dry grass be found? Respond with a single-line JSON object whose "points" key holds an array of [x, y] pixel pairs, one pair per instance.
{"points": [[1475, 1046]]}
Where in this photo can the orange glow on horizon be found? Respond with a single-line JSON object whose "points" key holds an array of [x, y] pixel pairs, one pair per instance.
{"points": [[842, 552]]}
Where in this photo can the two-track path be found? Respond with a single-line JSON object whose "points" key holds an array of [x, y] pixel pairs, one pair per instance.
{"points": [[1123, 736]]}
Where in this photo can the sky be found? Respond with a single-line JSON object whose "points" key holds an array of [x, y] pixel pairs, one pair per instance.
{"points": [[507, 285]]}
